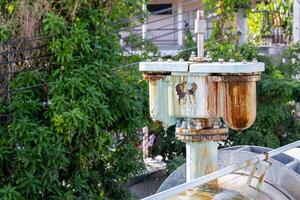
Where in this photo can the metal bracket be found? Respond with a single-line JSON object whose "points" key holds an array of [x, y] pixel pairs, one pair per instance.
{"points": [[266, 165]]}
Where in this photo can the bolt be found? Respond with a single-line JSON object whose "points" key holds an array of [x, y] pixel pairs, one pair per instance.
{"points": [[178, 123], [193, 55], [283, 60], [208, 57], [183, 125], [217, 124]]}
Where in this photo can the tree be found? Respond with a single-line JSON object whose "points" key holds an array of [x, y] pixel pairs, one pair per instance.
{"points": [[62, 140]]}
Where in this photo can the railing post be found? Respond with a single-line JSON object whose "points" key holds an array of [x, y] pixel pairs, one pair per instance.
{"points": [[145, 142]]}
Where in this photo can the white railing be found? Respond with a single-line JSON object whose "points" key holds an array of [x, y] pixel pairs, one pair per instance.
{"points": [[217, 174]]}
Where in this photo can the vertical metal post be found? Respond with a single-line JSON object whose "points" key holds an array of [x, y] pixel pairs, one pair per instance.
{"points": [[202, 159], [145, 142], [200, 26]]}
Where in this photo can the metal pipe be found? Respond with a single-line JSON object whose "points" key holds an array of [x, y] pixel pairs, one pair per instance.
{"points": [[200, 27], [227, 170], [201, 159]]}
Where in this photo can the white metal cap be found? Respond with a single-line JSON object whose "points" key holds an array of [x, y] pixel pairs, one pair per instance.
{"points": [[208, 68]]}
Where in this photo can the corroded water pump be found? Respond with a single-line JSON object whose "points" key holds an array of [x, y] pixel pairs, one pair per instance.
{"points": [[202, 99]]}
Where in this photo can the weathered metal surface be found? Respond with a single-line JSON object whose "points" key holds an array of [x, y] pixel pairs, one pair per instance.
{"points": [[232, 97], [192, 97], [227, 67], [197, 130], [231, 188], [202, 137], [164, 66], [240, 104], [158, 102], [210, 131], [236, 77], [154, 77], [203, 159], [281, 182]]}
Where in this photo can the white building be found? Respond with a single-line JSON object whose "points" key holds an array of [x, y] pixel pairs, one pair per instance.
{"points": [[168, 22]]}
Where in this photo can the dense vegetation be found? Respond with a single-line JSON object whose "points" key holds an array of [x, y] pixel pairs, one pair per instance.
{"points": [[68, 148]]}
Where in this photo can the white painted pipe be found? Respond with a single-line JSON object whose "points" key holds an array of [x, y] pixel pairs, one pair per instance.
{"points": [[227, 170], [201, 159], [200, 26]]}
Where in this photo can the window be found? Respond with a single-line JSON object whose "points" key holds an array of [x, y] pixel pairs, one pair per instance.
{"points": [[160, 9]]}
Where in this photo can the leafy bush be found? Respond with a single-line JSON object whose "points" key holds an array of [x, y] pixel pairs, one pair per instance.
{"points": [[174, 163], [167, 145], [62, 141]]}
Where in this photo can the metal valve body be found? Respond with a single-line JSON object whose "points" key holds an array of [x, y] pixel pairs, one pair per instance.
{"points": [[184, 90], [202, 99]]}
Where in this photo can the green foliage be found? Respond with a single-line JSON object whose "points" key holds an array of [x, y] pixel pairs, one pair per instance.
{"points": [[174, 163], [167, 145], [189, 45], [61, 141], [135, 42], [227, 50], [54, 24], [274, 14], [4, 34]]}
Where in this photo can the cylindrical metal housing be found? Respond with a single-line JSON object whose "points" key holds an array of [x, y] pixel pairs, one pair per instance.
{"points": [[240, 104], [237, 99], [192, 97], [158, 100]]}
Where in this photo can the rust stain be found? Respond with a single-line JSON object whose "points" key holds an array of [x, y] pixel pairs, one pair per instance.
{"points": [[239, 77], [154, 77], [212, 98], [221, 99], [193, 89], [249, 163], [262, 177], [210, 167], [181, 92], [240, 104]]}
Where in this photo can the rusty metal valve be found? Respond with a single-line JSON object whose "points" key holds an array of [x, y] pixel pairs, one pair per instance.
{"points": [[237, 94]]}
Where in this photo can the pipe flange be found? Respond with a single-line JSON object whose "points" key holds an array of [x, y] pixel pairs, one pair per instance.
{"points": [[154, 76], [201, 137], [210, 131]]}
